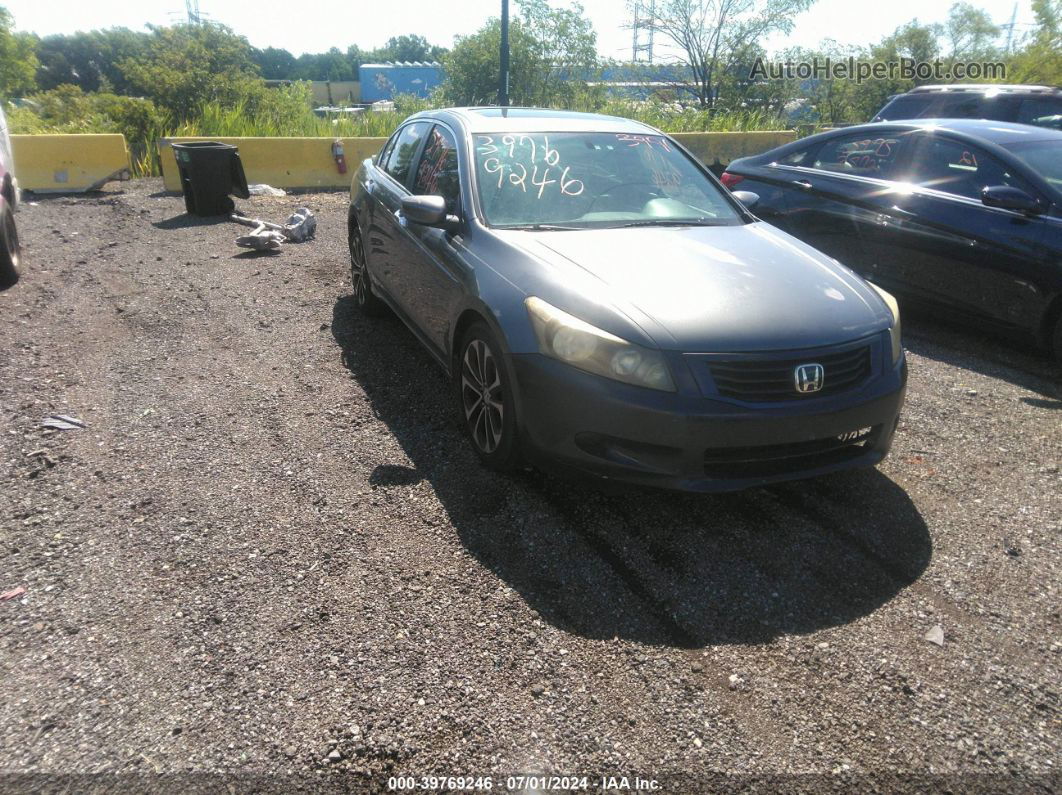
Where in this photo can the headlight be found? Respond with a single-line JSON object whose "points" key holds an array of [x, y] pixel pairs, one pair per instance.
{"points": [[565, 337], [894, 330]]}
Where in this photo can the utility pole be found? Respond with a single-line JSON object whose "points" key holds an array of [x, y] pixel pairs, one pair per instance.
{"points": [[503, 82]]}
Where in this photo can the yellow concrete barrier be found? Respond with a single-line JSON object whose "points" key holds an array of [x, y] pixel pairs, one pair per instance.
{"points": [[719, 148], [283, 162], [308, 162], [69, 163]]}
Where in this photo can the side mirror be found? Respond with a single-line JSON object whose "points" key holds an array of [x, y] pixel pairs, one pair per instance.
{"points": [[1008, 198], [427, 210], [746, 197]]}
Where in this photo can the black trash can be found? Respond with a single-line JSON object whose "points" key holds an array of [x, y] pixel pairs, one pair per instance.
{"points": [[210, 171]]}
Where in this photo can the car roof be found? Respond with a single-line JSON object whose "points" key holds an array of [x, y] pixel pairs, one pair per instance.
{"points": [[998, 132], [528, 120], [981, 88]]}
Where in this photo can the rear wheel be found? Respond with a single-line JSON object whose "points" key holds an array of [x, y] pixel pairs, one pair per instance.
{"points": [[367, 303], [10, 250], [485, 399]]}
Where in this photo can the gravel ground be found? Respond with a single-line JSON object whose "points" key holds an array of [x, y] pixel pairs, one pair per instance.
{"points": [[270, 552]]}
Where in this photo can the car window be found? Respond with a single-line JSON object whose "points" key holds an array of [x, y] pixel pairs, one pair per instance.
{"points": [[951, 106], [594, 179], [1041, 111], [1043, 158], [404, 150], [957, 167], [860, 155], [385, 151], [437, 170], [798, 158], [909, 106]]}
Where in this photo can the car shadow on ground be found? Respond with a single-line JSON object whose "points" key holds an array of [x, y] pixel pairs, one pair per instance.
{"points": [[187, 220], [989, 354], [655, 567]]}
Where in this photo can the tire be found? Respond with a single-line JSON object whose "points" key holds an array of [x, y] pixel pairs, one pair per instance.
{"points": [[485, 400], [368, 304], [10, 249]]}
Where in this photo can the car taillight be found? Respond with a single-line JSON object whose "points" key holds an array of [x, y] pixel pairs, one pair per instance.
{"points": [[730, 180]]}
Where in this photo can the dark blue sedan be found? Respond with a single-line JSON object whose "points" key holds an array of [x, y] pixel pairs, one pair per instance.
{"points": [[962, 214], [601, 303]]}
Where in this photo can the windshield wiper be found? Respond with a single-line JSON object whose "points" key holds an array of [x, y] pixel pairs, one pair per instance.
{"points": [[666, 222], [541, 227]]}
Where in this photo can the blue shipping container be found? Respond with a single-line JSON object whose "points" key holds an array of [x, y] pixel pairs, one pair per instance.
{"points": [[382, 81]]}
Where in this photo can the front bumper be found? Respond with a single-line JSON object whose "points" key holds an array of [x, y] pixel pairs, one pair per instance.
{"points": [[574, 420]]}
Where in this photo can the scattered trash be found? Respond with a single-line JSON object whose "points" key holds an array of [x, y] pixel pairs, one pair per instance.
{"points": [[13, 593], [300, 226], [62, 422], [262, 238], [265, 190], [936, 635]]}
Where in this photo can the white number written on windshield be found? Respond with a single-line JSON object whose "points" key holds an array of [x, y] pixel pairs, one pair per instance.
{"points": [[527, 164]]}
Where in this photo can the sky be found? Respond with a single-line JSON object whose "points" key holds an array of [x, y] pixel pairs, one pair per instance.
{"points": [[317, 25]]}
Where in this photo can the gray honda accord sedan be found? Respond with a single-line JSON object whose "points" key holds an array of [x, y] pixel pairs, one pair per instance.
{"points": [[602, 304]]}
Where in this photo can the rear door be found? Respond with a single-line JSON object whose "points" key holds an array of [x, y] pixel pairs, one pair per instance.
{"points": [[830, 193], [938, 242]]}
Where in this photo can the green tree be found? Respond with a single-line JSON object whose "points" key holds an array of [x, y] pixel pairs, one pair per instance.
{"points": [[1040, 59], [971, 34], [552, 53], [408, 48], [187, 65], [713, 36], [89, 59], [274, 63], [18, 59]]}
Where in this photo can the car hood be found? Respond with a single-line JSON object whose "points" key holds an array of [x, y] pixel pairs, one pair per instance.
{"points": [[726, 288]]}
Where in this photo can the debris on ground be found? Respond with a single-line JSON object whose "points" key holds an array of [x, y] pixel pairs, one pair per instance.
{"points": [[936, 635], [300, 226], [260, 189], [13, 593], [62, 422]]}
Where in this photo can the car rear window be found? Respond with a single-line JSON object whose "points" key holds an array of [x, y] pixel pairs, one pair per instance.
{"points": [[909, 106], [860, 155]]}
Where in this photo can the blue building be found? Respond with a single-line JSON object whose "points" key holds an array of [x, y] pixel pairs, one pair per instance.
{"points": [[382, 81]]}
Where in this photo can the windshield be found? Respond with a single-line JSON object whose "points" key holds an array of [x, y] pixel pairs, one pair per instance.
{"points": [[1042, 157], [593, 180]]}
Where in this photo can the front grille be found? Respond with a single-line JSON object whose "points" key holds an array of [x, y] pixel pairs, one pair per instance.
{"points": [[762, 379], [776, 459]]}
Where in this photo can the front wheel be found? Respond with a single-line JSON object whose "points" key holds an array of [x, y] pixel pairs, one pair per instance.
{"points": [[485, 399], [366, 301], [10, 249]]}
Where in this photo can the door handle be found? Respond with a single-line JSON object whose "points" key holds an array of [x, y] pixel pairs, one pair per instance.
{"points": [[802, 183]]}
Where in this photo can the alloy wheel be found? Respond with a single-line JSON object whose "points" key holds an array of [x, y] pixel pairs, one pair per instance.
{"points": [[357, 269], [482, 396]]}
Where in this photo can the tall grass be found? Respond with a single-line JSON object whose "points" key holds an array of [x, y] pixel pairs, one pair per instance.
{"points": [[287, 112]]}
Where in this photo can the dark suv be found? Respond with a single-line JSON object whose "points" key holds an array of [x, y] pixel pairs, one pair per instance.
{"points": [[1037, 105]]}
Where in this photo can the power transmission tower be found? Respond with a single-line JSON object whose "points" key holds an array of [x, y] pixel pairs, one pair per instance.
{"points": [[642, 30], [1010, 27], [192, 7]]}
